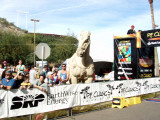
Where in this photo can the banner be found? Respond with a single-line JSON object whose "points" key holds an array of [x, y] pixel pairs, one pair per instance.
{"points": [[125, 58], [3, 104], [146, 62], [24, 102], [150, 38]]}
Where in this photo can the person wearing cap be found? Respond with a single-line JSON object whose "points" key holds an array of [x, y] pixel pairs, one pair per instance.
{"points": [[5, 65], [40, 84], [131, 31], [8, 82], [49, 79]]}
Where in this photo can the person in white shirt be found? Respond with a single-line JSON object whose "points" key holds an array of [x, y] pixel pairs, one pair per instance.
{"points": [[49, 78], [32, 75]]}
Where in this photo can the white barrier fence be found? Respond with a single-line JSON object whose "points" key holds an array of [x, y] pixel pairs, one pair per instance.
{"points": [[24, 102]]}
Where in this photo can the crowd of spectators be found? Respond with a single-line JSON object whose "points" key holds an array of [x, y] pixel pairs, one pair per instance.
{"points": [[25, 77]]}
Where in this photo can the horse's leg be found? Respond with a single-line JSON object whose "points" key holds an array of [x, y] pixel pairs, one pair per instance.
{"points": [[74, 80], [89, 80]]}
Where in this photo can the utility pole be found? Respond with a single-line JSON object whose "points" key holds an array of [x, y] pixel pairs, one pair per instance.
{"points": [[155, 48], [34, 35]]}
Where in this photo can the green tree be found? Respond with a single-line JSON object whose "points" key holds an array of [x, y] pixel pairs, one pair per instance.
{"points": [[62, 47], [14, 47]]}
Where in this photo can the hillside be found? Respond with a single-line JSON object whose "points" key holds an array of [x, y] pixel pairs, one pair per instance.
{"points": [[62, 47], [6, 26]]}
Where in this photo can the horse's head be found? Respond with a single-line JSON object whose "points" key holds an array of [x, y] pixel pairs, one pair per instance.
{"points": [[84, 43]]}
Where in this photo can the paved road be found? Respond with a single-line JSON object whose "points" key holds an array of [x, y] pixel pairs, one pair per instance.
{"points": [[143, 111]]}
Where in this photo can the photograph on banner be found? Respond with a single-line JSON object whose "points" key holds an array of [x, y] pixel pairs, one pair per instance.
{"points": [[150, 38], [124, 53], [3, 104], [146, 62], [125, 61]]}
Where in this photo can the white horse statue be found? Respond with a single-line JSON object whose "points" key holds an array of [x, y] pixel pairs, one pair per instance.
{"points": [[81, 67]]}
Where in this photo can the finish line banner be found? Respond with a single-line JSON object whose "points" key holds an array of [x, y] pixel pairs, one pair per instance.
{"points": [[24, 102]]}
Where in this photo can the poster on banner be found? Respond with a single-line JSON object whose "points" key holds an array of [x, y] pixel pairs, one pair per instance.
{"points": [[150, 38], [3, 104], [146, 62], [125, 62]]}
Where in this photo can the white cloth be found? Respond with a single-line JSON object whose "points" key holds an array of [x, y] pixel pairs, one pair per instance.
{"points": [[110, 76], [32, 74]]}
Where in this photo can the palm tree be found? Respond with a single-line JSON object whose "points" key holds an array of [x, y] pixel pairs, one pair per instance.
{"points": [[152, 14], [155, 49]]}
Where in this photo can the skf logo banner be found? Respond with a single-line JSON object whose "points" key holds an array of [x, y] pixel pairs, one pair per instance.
{"points": [[151, 38], [26, 101]]}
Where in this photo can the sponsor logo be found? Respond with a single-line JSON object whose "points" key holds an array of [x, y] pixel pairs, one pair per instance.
{"points": [[155, 34], [26, 101], [145, 62]]}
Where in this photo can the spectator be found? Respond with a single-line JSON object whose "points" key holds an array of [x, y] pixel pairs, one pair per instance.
{"points": [[20, 67], [8, 82], [3, 74], [49, 78], [40, 84], [12, 68], [19, 79], [5, 65], [131, 31], [55, 77], [63, 75], [45, 70], [27, 69], [26, 84], [32, 74], [1, 71], [26, 74], [53, 68]]}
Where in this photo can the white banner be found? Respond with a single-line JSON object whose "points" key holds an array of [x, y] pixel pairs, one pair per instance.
{"points": [[3, 104], [24, 102]]}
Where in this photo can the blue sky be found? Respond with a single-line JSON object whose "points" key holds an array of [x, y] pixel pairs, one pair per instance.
{"points": [[103, 18]]}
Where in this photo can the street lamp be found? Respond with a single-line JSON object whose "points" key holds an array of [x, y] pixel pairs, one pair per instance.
{"points": [[34, 35]]}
